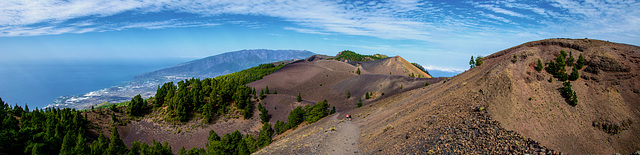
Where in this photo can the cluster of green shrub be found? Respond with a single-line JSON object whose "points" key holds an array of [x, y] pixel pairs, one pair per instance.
{"points": [[353, 56], [309, 113], [476, 62], [211, 97], [421, 68], [569, 95], [264, 113], [234, 143], [558, 70], [136, 107]]}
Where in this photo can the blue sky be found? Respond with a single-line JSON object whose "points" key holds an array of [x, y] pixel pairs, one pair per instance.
{"points": [[440, 35]]}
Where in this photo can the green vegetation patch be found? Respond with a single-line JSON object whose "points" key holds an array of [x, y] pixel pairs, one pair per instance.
{"points": [[212, 96], [353, 56]]}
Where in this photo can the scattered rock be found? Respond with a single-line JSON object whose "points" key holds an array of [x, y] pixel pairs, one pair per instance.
{"points": [[611, 127], [478, 135]]}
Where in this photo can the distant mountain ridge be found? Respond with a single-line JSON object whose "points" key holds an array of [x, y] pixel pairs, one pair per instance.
{"points": [[146, 84], [226, 63]]}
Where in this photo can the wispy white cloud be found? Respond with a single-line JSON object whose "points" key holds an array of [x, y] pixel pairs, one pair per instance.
{"points": [[302, 30], [426, 21], [618, 20], [502, 19], [86, 27], [445, 69], [469, 28], [500, 10]]}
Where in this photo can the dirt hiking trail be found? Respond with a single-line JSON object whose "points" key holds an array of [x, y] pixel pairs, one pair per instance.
{"points": [[342, 140]]}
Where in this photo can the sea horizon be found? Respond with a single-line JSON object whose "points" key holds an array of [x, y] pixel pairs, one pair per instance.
{"points": [[37, 83]]}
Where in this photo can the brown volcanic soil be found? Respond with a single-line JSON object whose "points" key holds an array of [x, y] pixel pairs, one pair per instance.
{"points": [[152, 127], [331, 135], [505, 88], [607, 96], [188, 135], [330, 79], [522, 108], [394, 65]]}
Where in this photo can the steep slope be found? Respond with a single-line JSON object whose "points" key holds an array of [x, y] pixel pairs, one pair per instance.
{"points": [[606, 117], [146, 84], [506, 107], [522, 100], [395, 66], [317, 79]]}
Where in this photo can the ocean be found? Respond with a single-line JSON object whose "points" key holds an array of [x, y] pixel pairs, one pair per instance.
{"points": [[39, 83]]}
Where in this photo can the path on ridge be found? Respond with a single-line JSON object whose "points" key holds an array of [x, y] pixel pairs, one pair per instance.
{"points": [[342, 140]]}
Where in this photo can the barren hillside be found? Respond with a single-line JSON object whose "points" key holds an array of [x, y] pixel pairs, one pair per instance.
{"points": [[506, 106], [317, 79]]}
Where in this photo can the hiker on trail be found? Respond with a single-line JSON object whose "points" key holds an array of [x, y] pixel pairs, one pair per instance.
{"points": [[348, 117]]}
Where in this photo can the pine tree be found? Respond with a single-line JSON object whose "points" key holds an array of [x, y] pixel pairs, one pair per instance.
{"points": [[366, 96], [67, 144], [348, 94], [113, 108], [182, 151], [267, 90], [539, 66], [181, 112], [242, 148], [136, 106], [255, 95], [472, 63], [275, 90], [574, 74], [573, 101], [116, 146], [264, 113], [358, 71], [114, 119], [81, 145], [570, 60], [98, 146], [580, 62], [296, 116], [251, 143], [333, 110], [264, 136], [262, 95], [359, 103], [248, 111], [299, 97], [479, 61], [136, 148]]}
